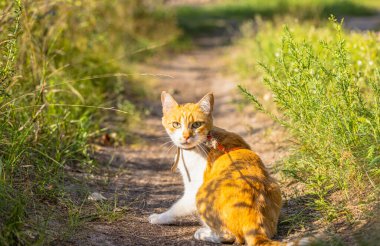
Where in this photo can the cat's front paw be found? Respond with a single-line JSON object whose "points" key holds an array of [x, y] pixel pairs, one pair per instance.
{"points": [[160, 219], [205, 234]]}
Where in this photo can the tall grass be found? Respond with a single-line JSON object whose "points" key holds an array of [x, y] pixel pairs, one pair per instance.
{"points": [[225, 15], [326, 84], [62, 64]]}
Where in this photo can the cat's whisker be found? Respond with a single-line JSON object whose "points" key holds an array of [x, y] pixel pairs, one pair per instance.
{"points": [[205, 151], [199, 148], [157, 138], [170, 148], [163, 145], [170, 141], [158, 141], [167, 145], [202, 149]]}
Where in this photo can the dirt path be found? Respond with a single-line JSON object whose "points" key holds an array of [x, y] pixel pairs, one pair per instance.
{"points": [[140, 176]]}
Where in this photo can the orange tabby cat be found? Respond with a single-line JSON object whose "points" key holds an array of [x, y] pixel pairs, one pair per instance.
{"points": [[237, 199]]}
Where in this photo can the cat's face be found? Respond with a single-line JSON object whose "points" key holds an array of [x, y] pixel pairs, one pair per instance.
{"points": [[187, 124]]}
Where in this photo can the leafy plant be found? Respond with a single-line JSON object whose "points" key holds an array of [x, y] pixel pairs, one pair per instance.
{"points": [[65, 67], [329, 100]]}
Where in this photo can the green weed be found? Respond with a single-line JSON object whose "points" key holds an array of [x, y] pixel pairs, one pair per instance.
{"points": [[66, 68], [224, 16], [326, 85]]}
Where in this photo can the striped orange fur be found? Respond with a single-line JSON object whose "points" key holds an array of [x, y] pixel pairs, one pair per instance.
{"points": [[238, 196]]}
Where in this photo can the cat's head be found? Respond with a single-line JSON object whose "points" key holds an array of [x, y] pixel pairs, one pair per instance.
{"points": [[187, 124]]}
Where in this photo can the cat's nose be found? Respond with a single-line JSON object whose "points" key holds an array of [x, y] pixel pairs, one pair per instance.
{"points": [[186, 135]]}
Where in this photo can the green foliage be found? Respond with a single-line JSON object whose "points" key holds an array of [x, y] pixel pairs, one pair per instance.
{"points": [[326, 84], [63, 64], [224, 15]]}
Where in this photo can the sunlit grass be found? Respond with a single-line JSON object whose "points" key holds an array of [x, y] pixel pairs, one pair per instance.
{"points": [[224, 15], [66, 69], [325, 83]]}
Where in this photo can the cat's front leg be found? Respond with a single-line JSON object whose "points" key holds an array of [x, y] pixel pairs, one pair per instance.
{"points": [[206, 234], [183, 207]]}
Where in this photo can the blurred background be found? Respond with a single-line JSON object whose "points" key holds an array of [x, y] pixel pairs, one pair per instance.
{"points": [[80, 83]]}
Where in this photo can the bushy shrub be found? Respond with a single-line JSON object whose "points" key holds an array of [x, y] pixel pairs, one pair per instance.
{"points": [[326, 83], [62, 64]]}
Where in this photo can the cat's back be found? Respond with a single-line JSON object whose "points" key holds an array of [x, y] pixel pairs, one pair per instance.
{"points": [[239, 171], [237, 163], [237, 191]]}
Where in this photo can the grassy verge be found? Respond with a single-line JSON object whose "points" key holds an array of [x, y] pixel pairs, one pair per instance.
{"points": [[226, 15], [325, 83], [65, 67]]}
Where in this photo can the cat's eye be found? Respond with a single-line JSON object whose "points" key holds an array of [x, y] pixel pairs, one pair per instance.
{"points": [[196, 124], [176, 124]]}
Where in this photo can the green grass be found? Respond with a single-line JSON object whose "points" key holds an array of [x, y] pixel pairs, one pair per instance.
{"points": [[225, 15], [65, 66], [322, 84], [325, 84]]}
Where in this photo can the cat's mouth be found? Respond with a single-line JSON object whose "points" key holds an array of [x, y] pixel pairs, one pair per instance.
{"points": [[187, 145]]}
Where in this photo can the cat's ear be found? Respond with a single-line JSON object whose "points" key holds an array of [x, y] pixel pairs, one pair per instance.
{"points": [[207, 103], [168, 102]]}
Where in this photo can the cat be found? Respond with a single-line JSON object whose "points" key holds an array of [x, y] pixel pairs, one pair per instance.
{"points": [[226, 183]]}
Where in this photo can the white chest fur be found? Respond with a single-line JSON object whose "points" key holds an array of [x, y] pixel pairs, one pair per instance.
{"points": [[195, 162]]}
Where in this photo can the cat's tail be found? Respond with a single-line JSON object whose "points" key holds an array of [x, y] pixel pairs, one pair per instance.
{"points": [[253, 239]]}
